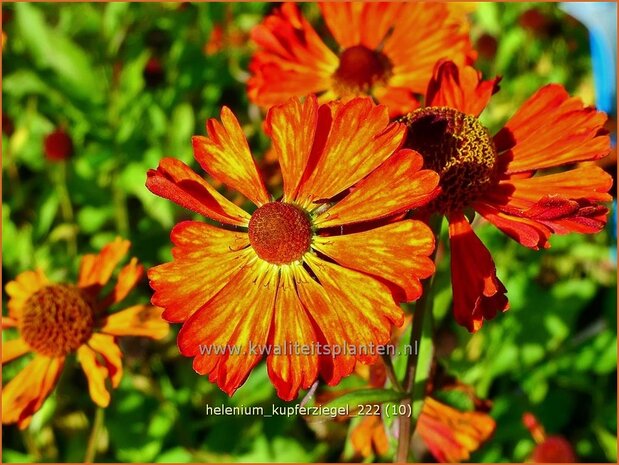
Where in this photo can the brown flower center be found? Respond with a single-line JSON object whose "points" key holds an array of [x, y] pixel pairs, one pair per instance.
{"points": [[56, 320], [360, 68], [459, 148], [280, 232]]}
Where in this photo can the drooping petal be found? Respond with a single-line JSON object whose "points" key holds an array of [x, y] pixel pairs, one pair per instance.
{"points": [[175, 181], [292, 60], [530, 209], [21, 288], [205, 257], [526, 231], [478, 294], [423, 34], [451, 435], [335, 365], [24, 395], [397, 252], [397, 185], [365, 306], [292, 127], [226, 334], [225, 155], [294, 367], [352, 139], [106, 346], [459, 88], [13, 349], [96, 373], [139, 320], [360, 23], [96, 269], [551, 129]]}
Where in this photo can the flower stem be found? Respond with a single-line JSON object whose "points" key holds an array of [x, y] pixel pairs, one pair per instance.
{"points": [[391, 373], [424, 305], [66, 207], [91, 448]]}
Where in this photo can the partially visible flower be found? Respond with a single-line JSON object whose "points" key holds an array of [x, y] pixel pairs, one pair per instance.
{"points": [[55, 320], [386, 50], [451, 435], [154, 73], [496, 175], [58, 145], [326, 264], [549, 449]]}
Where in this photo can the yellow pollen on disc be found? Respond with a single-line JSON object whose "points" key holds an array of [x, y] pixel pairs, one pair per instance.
{"points": [[280, 233], [56, 320], [459, 148]]}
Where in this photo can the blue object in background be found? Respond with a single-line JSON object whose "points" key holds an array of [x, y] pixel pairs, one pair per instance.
{"points": [[601, 20]]}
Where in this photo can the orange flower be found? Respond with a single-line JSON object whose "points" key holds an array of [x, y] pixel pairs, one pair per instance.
{"points": [[451, 435], [55, 320], [495, 176], [313, 267], [386, 50]]}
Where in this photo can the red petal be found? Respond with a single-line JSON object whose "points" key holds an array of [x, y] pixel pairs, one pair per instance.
{"points": [[478, 293]]}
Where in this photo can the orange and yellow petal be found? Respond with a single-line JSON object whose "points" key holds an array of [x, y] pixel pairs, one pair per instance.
{"points": [[96, 373], [205, 258], [238, 318], [292, 127], [399, 184], [397, 253], [365, 306], [478, 294], [107, 348], [96, 269], [225, 155], [352, 139], [369, 437], [399, 100], [333, 366], [459, 88], [127, 279], [13, 349], [21, 288], [175, 181], [360, 23], [552, 129], [139, 320], [423, 34], [451, 435], [24, 395], [294, 369], [292, 59]]}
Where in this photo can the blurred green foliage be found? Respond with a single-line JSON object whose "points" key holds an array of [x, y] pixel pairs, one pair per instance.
{"points": [[89, 69]]}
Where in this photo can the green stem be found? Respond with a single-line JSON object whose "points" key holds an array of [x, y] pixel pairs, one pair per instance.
{"points": [[66, 207], [424, 305], [91, 447], [391, 373], [120, 208]]}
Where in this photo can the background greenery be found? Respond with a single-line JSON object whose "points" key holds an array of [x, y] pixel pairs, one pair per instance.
{"points": [[82, 67]]}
